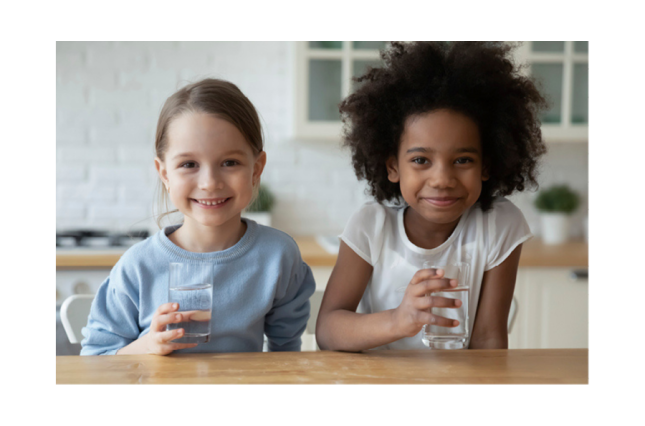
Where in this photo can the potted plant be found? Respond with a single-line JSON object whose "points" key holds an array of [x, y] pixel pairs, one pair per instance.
{"points": [[260, 209], [556, 205]]}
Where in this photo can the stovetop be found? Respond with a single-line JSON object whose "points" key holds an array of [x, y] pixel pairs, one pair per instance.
{"points": [[91, 238]]}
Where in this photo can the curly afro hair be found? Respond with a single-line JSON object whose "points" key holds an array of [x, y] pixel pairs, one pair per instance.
{"points": [[477, 79]]}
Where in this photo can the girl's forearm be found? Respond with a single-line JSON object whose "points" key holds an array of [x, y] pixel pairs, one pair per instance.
{"points": [[491, 342], [343, 330]]}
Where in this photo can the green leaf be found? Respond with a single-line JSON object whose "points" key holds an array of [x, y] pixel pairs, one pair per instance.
{"points": [[264, 201], [558, 198]]}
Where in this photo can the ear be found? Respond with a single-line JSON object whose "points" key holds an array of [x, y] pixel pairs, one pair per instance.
{"points": [[161, 169], [392, 169], [485, 175], [258, 167]]}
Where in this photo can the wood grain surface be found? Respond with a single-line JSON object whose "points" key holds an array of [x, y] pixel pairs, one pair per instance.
{"points": [[516, 366]]}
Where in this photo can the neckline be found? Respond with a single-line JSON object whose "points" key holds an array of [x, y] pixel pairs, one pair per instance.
{"points": [[232, 252], [439, 248]]}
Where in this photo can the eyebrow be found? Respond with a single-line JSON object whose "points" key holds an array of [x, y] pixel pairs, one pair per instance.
{"points": [[190, 154], [431, 150]]}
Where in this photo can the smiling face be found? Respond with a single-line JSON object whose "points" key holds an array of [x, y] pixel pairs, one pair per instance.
{"points": [[439, 165], [209, 169]]}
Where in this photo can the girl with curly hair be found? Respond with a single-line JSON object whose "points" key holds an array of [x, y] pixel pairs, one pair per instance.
{"points": [[442, 132]]}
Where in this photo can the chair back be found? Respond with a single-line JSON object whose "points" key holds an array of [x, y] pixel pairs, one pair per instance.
{"points": [[73, 315]]}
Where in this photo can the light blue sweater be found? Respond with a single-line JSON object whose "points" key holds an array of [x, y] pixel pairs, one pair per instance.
{"points": [[261, 286]]}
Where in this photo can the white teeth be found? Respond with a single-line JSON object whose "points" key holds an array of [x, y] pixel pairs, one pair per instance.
{"points": [[211, 203]]}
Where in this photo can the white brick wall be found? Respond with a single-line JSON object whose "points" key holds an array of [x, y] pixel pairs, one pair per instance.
{"points": [[108, 97]]}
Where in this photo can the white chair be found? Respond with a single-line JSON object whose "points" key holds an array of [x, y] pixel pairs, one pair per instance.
{"points": [[73, 315]]}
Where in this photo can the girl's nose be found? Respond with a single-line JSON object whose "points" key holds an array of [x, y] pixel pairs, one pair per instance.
{"points": [[442, 177], [209, 180]]}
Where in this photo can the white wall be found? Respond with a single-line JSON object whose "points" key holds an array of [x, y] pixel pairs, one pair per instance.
{"points": [[108, 97]]}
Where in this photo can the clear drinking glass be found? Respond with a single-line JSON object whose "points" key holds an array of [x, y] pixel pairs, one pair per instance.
{"points": [[437, 337], [191, 286]]}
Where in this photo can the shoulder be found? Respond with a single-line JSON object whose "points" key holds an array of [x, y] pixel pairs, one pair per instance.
{"points": [[372, 214], [139, 251], [503, 209], [504, 227], [373, 208], [135, 260], [274, 241]]}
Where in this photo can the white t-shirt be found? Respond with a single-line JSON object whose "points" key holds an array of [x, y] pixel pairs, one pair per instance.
{"points": [[481, 241]]}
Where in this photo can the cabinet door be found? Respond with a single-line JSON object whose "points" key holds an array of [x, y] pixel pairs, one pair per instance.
{"points": [[552, 310]]}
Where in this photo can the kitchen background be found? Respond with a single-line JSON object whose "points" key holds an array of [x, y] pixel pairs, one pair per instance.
{"points": [[109, 94]]}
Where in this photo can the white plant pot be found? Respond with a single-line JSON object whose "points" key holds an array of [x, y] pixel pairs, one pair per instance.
{"points": [[262, 218], [555, 227]]}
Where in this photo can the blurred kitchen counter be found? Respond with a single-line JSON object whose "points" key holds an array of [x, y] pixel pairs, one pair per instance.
{"points": [[534, 254]]}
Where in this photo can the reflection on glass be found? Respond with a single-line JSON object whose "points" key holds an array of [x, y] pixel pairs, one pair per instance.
{"points": [[360, 68], [326, 44], [547, 46], [369, 45], [549, 76], [581, 46], [580, 104], [324, 89]]}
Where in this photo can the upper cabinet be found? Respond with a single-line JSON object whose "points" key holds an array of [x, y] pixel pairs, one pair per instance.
{"points": [[561, 69], [324, 71]]}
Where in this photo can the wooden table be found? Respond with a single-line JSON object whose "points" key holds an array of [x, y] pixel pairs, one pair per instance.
{"points": [[516, 366]]}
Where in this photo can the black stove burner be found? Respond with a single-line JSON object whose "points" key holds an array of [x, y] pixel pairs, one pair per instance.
{"points": [[83, 238]]}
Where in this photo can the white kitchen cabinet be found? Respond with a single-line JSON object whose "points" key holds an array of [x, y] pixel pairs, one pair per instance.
{"points": [[323, 71], [552, 310], [562, 69]]}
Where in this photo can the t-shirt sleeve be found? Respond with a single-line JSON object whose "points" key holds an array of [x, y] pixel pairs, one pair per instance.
{"points": [[364, 232], [507, 229]]}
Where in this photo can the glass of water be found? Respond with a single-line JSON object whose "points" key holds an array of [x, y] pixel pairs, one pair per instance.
{"points": [[191, 286], [437, 337]]}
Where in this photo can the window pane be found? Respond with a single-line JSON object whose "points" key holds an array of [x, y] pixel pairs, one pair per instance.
{"points": [[324, 90], [325, 44], [580, 104], [581, 46], [547, 46], [549, 76], [360, 68], [369, 45]]}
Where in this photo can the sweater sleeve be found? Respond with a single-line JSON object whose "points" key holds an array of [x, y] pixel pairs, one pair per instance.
{"points": [[287, 320], [113, 320]]}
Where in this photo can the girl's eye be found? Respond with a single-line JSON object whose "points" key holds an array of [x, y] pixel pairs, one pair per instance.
{"points": [[229, 163], [419, 160], [464, 160], [188, 165]]}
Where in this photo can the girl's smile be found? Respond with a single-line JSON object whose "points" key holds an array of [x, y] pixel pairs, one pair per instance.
{"points": [[211, 203], [441, 201]]}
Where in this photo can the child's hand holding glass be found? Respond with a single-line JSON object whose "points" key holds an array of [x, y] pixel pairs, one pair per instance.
{"points": [[159, 340], [414, 311]]}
